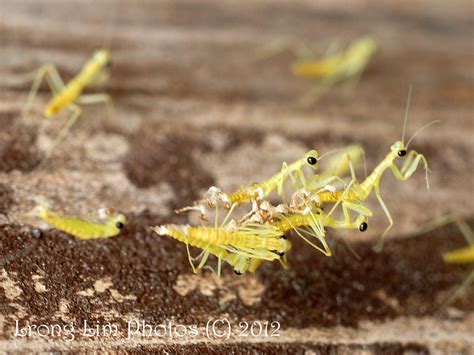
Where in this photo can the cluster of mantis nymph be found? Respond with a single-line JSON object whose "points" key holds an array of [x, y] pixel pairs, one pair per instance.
{"points": [[262, 233]]}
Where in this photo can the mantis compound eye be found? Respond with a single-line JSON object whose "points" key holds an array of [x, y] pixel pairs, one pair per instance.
{"points": [[402, 153], [119, 225], [312, 160], [363, 227]]}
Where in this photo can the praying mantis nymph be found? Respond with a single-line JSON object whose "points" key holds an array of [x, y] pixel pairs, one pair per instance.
{"points": [[361, 192], [343, 65], [357, 193], [461, 256], [263, 189], [69, 96], [312, 224], [256, 191], [264, 243], [340, 164], [249, 244], [80, 228]]}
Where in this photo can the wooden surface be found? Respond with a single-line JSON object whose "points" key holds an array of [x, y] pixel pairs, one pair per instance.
{"points": [[196, 107]]}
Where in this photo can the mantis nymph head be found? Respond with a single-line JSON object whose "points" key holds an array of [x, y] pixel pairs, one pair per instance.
{"points": [[242, 265], [311, 158], [285, 245], [399, 148], [101, 56], [118, 221], [362, 222], [365, 46]]}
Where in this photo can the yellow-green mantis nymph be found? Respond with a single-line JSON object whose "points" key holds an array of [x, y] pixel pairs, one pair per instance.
{"points": [[343, 65], [311, 224], [69, 96], [461, 256], [264, 243], [81, 228], [351, 198], [347, 65], [256, 191]]}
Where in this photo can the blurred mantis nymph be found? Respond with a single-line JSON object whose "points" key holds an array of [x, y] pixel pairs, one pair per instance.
{"points": [[70, 95], [110, 225]]}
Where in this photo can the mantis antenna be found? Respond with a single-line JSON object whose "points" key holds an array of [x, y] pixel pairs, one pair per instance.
{"points": [[407, 108]]}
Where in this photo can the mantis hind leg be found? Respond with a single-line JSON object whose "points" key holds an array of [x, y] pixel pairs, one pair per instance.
{"points": [[204, 258], [318, 232], [281, 181], [379, 246], [228, 214], [284, 262], [296, 47], [92, 99], [217, 275], [466, 231], [325, 250], [350, 83], [348, 205], [55, 83], [313, 95], [463, 255], [190, 259], [321, 88], [76, 112], [461, 289], [219, 267]]}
